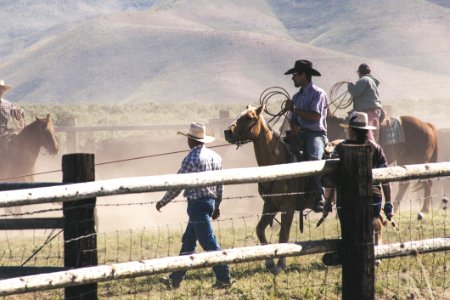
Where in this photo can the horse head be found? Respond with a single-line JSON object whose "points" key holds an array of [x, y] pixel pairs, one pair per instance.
{"points": [[247, 126], [47, 133]]}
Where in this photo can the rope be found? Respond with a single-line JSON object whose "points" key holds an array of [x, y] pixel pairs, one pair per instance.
{"points": [[339, 100], [267, 95]]}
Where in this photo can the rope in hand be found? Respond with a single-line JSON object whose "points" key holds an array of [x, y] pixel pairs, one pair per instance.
{"points": [[339, 100], [268, 94]]}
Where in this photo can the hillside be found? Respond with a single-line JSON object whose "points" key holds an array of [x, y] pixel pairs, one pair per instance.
{"points": [[220, 51]]}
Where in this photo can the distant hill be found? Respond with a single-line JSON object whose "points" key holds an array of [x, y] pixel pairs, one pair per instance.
{"points": [[213, 51]]}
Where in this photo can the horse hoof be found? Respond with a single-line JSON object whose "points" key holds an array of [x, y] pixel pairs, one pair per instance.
{"points": [[270, 265], [420, 216], [377, 262]]}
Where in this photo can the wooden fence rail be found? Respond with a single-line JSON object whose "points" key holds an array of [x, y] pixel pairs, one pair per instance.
{"points": [[117, 271], [157, 183]]}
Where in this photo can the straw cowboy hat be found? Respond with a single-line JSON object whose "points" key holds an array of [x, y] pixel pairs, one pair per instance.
{"points": [[358, 120], [197, 131], [6, 86], [301, 66]]}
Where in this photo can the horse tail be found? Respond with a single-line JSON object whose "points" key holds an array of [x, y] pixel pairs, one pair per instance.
{"points": [[434, 156]]}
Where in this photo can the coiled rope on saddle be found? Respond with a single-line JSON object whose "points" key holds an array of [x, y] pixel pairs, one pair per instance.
{"points": [[339, 99]]}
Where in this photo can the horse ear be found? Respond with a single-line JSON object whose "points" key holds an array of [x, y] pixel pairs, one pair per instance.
{"points": [[248, 105], [36, 118], [48, 117], [260, 109]]}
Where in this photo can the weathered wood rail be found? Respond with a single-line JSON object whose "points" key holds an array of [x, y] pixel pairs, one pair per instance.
{"points": [[170, 264], [144, 184]]}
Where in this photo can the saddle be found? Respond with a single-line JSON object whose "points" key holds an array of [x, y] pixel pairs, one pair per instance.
{"points": [[391, 131]]}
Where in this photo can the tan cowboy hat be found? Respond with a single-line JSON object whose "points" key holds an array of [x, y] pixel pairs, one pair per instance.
{"points": [[358, 120], [197, 131], [6, 86]]}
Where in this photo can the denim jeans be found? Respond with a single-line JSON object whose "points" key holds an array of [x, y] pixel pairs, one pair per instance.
{"points": [[314, 148], [200, 228]]}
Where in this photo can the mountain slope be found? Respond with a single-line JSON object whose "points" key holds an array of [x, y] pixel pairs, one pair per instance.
{"points": [[199, 50], [408, 33]]}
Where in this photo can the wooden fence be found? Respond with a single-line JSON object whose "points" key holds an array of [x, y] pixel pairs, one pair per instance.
{"points": [[357, 261], [71, 129]]}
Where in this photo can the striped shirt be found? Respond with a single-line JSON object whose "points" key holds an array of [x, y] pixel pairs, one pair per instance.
{"points": [[312, 99], [199, 159]]}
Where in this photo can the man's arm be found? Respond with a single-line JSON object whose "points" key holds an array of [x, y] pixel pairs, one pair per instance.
{"points": [[186, 167], [304, 114], [356, 89]]}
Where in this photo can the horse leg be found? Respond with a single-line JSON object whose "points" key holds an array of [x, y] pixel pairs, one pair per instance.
{"points": [[268, 214], [287, 217], [377, 239], [427, 193], [400, 193]]}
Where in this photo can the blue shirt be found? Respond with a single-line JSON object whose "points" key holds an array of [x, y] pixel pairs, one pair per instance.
{"points": [[312, 99], [199, 159]]}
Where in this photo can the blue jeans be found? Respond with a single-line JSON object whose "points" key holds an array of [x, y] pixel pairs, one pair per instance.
{"points": [[200, 228], [314, 148]]}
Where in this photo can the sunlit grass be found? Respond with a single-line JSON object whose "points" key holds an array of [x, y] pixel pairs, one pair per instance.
{"points": [[306, 277]]}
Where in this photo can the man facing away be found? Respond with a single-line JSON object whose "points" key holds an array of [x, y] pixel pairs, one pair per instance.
{"points": [[366, 98], [308, 120], [203, 204]]}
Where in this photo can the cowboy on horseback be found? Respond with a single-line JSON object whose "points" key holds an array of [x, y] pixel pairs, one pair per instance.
{"points": [[307, 115], [8, 110], [366, 98]]}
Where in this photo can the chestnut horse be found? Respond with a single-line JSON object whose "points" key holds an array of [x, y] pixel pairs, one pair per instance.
{"points": [[250, 126], [420, 147], [19, 152]]}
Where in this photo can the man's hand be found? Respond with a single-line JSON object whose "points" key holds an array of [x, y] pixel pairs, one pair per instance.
{"points": [[159, 205], [289, 105], [388, 210], [216, 213], [295, 129]]}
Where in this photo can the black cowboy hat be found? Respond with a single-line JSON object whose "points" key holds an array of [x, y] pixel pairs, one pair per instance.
{"points": [[301, 66]]}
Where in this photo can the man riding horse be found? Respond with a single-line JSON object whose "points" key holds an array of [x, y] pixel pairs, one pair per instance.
{"points": [[307, 115]]}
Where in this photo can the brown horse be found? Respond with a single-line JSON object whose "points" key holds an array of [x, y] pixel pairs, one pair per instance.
{"points": [[250, 126], [420, 147], [19, 152]]}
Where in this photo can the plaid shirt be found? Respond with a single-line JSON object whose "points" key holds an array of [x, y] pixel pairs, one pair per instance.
{"points": [[7, 110], [199, 159]]}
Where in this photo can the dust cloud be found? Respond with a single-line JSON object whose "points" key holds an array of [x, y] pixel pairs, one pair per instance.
{"points": [[150, 156], [147, 155]]}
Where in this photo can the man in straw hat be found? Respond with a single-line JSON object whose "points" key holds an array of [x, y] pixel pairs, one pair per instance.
{"points": [[358, 129], [308, 120], [203, 204], [8, 110]]}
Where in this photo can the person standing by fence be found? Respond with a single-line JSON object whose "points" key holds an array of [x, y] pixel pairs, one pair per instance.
{"points": [[358, 129], [203, 204], [308, 120]]}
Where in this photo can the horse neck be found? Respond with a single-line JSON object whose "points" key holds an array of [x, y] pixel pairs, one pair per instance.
{"points": [[31, 139], [268, 149]]}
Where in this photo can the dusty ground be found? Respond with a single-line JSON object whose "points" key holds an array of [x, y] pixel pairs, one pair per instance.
{"points": [[141, 213]]}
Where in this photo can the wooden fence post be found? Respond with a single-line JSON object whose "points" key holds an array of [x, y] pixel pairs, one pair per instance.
{"points": [[80, 239], [357, 253]]}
